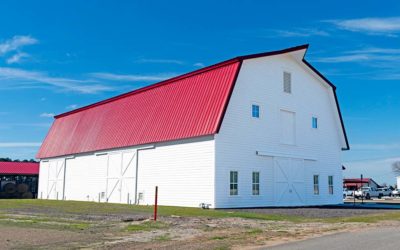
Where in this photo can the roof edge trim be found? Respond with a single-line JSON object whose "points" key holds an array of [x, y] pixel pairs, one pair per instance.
{"points": [[336, 101], [155, 85], [189, 74]]}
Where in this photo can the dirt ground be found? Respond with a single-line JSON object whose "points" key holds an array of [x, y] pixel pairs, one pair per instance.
{"points": [[180, 233], [33, 227]]}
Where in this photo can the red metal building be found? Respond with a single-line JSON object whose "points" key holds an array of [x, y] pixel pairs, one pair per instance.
{"points": [[19, 179]]}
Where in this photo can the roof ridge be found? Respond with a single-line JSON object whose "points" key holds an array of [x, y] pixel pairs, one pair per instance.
{"points": [[183, 76], [152, 86]]}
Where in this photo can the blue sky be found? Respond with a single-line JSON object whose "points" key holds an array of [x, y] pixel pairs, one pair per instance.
{"points": [[59, 55]]}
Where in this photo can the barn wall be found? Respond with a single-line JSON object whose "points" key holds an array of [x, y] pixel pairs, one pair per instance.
{"points": [[183, 170], [316, 151]]}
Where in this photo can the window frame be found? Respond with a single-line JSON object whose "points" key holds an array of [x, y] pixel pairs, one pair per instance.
{"points": [[314, 118], [253, 106], [255, 191], [232, 183], [330, 185], [316, 184]]}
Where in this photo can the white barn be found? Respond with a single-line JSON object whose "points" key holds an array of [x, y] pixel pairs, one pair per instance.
{"points": [[253, 131]]}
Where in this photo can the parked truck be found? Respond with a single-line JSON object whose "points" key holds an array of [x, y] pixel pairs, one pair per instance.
{"points": [[385, 191], [368, 193]]}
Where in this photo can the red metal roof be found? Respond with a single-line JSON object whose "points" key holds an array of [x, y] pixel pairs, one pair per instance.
{"points": [[186, 106], [356, 180], [27, 168]]}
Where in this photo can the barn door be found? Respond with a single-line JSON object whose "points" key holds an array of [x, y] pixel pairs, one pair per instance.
{"points": [[289, 181], [298, 183], [121, 176], [56, 180]]}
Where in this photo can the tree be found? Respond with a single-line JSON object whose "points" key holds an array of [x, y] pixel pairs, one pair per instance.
{"points": [[6, 159], [396, 168]]}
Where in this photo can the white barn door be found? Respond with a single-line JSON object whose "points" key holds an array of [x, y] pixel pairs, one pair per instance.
{"points": [[289, 183], [55, 186], [121, 177]]}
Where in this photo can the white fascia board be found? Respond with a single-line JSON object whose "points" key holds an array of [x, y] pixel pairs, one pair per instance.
{"points": [[276, 154]]}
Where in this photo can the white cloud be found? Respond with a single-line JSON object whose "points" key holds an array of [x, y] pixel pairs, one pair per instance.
{"points": [[199, 64], [370, 25], [15, 43], [343, 58], [47, 115], [132, 78], [365, 54], [19, 144], [161, 61], [19, 78], [17, 58], [300, 32], [27, 125], [72, 106], [374, 50]]}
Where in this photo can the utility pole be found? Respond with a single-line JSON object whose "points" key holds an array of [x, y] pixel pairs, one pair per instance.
{"points": [[362, 194]]}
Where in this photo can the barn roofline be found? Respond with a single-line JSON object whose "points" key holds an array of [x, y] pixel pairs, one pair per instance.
{"points": [[236, 60], [186, 75]]}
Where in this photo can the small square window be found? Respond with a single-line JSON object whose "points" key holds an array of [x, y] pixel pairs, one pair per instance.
{"points": [[255, 111], [314, 122]]}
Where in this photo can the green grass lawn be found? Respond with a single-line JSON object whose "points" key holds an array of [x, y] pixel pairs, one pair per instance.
{"points": [[81, 207], [93, 208]]}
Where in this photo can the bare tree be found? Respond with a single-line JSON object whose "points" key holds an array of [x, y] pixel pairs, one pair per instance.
{"points": [[396, 168]]}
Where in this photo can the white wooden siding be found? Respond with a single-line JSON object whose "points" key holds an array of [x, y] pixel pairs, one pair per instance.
{"points": [[260, 81], [193, 171], [183, 170]]}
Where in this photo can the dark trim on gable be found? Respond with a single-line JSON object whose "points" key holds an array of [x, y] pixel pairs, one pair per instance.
{"points": [[319, 73], [192, 73], [336, 100], [217, 65], [276, 52], [229, 97]]}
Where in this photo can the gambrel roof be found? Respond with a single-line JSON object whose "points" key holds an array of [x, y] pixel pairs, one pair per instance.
{"points": [[186, 106]]}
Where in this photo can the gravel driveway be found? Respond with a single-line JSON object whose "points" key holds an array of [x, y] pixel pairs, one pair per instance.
{"points": [[312, 212], [376, 238]]}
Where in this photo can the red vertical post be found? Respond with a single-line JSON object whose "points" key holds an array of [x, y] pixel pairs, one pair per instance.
{"points": [[155, 204]]}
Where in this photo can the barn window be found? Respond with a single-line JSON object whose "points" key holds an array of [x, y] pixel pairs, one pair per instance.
{"points": [[314, 122], [330, 184], [316, 184], [287, 82], [256, 183], [233, 185], [255, 111]]}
